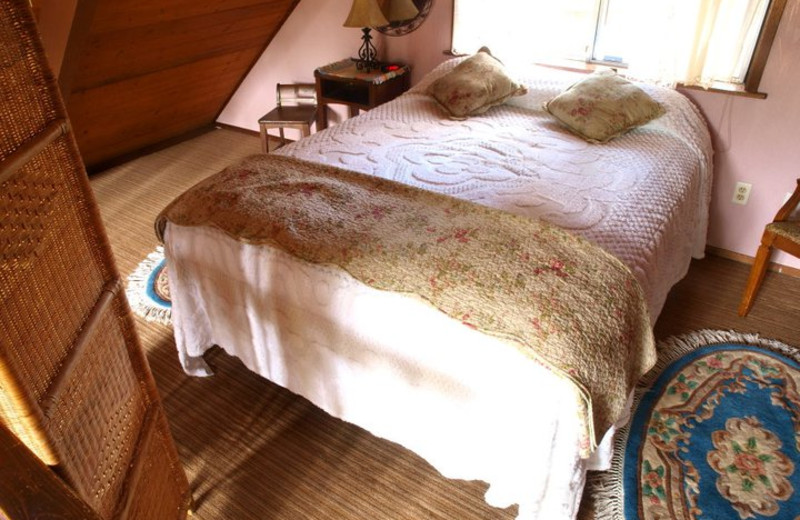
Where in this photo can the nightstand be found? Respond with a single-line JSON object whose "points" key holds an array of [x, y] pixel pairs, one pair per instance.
{"points": [[342, 83]]}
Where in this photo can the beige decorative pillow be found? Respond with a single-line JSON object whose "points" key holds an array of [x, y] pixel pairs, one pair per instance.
{"points": [[474, 86], [603, 106]]}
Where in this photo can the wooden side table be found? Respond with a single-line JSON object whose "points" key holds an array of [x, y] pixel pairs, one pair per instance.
{"points": [[342, 83]]}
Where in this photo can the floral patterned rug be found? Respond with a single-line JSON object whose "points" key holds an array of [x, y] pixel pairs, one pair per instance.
{"points": [[148, 289], [714, 434]]}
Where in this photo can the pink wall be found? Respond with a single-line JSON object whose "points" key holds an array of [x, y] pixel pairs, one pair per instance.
{"points": [[424, 48], [755, 140], [312, 36]]}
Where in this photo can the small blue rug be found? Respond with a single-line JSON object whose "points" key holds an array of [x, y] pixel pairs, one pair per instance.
{"points": [[148, 289], [715, 433]]}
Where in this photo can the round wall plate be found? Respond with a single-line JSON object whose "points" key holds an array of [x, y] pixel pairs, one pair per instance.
{"points": [[404, 27]]}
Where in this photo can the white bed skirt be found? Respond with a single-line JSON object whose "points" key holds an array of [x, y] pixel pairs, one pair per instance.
{"points": [[472, 405]]}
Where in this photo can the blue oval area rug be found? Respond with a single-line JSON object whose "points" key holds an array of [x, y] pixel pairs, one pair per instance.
{"points": [[148, 289], [715, 433]]}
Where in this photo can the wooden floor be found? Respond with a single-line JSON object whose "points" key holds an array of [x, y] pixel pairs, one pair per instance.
{"points": [[255, 451], [708, 297]]}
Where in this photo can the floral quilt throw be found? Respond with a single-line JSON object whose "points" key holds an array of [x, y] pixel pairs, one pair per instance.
{"points": [[565, 302]]}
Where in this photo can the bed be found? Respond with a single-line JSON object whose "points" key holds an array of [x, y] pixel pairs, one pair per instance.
{"points": [[471, 403]]}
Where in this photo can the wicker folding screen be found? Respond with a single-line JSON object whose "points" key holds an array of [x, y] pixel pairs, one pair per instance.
{"points": [[75, 386], [28, 487]]}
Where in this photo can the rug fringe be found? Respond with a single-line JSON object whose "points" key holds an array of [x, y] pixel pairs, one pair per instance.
{"points": [[136, 290], [607, 487]]}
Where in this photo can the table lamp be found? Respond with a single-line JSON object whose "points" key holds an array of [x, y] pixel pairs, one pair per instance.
{"points": [[376, 13]]}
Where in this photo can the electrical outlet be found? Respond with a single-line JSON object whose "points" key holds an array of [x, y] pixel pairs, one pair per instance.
{"points": [[742, 193]]}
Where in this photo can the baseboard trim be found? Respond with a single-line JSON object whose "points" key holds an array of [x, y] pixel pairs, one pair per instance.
{"points": [[272, 138], [237, 129], [745, 259]]}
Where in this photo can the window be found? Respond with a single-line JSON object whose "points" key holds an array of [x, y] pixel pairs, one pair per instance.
{"points": [[694, 42]]}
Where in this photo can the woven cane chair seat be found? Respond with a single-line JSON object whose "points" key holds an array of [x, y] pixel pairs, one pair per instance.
{"points": [[789, 230]]}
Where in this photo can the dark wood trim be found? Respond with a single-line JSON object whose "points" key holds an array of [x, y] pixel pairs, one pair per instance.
{"points": [[64, 376], [258, 56], [239, 129], [31, 148], [745, 259], [763, 45], [78, 36]]}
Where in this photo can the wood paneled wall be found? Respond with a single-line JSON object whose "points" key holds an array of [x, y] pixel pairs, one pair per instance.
{"points": [[140, 72]]}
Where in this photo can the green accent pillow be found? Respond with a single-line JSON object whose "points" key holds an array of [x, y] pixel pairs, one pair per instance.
{"points": [[603, 106], [474, 86]]}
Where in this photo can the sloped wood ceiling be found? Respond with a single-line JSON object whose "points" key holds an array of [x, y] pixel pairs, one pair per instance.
{"points": [[140, 72]]}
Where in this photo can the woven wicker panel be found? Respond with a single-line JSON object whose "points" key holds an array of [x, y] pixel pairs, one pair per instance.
{"points": [[49, 284], [55, 286], [25, 77], [28, 207], [74, 382], [161, 490], [23, 227], [96, 422]]}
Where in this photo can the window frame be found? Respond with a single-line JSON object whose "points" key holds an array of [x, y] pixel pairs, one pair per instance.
{"points": [[755, 70], [766, 37], [758, 62], [602, 11]]}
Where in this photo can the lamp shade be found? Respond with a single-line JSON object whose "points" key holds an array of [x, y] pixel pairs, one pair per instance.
{"points": [[366, 13], [399, 10], [377, 13]]}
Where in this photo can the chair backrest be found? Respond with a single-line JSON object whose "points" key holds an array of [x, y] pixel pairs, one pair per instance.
{"points": [[789, 206], [296, 94]]}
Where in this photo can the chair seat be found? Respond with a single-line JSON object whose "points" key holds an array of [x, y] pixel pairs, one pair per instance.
{"points": [[303, 114], [789, 229]]}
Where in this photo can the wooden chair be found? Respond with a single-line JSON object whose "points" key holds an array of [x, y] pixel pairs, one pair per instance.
{"points": [[297, 108], [781, 233]]}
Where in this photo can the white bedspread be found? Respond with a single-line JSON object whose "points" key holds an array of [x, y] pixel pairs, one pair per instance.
{"points": [[408, 373], [643, 196], [386, 362]]}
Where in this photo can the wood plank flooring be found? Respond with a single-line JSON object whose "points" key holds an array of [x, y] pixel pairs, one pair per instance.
{"points": [[253, 450], [708, 298]]}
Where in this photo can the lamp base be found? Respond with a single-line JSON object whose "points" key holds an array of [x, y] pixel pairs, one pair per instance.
{"points": [[367, 54]]}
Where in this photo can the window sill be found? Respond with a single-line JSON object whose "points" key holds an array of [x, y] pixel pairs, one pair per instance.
{"points": [[725, 88], [719, 87]]}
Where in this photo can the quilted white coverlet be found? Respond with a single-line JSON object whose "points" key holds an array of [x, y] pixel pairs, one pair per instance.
{"points": [[643, 196], [390, 364], [470, 404]]}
